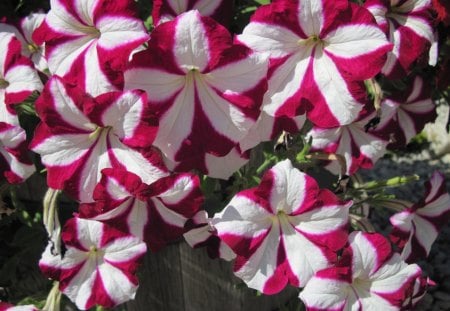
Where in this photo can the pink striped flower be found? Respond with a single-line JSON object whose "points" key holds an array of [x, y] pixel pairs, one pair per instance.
{"points": [[417, 227], [405, 113], [18, 80], [24, 33], [167, 10], [360, 148], [408, 26], [99, 265], [374, 279], [79, 136], [87, 40], [320, 52], [206, 90], [156, 213], [284, 230]]}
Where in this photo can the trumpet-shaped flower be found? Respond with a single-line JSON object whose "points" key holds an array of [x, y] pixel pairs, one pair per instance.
{"points": [[404, 116], [373, 279], [206, 90], [320, 52], [416, 228], [87, 40], [79, 136], [99, 265], [284, 230], [156, 213], [166, 10], [24, 33], [408, 26], [18, 80], [359, 146]]}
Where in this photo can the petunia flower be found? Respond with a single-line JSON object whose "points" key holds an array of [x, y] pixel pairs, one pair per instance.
{"points": [[320, 51], [87, 41], [79, 136], [203, 234], [374, 279], [359, 146], [98, 266], [405, 113], [284, 230], [416, 228], [156, 213], [408, 26], [23, 33], [206, 90], [166, 10], [18, 80]]}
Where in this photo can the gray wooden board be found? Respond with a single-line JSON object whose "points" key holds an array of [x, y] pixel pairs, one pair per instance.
{"points": [[182, 279]]}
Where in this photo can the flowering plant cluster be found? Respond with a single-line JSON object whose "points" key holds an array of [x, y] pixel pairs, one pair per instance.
{"points": [[138, 121]]}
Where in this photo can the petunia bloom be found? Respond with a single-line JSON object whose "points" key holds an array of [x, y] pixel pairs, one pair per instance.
{"points": [[284, 230], [405, 113], [99, 265], [87, 41], [408, 26], [166, 10], [359, 146], [320, 52], [18, 80], [156, 213], [79, 136], [374, 279], [206, 90], [24, 32], [416, 228]]}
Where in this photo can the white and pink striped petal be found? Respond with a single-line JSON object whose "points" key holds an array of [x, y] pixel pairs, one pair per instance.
{"points": [[207, 91], [320, 52], [99, 265], [417, 227], [279, 231], [79, 136]]}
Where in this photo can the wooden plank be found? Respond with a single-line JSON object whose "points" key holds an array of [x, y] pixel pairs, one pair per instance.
{"points": [[182, 279], [160, 281]]}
